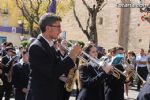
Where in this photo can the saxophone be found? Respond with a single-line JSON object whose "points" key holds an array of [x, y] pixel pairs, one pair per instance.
{"points": [[71, 79]]}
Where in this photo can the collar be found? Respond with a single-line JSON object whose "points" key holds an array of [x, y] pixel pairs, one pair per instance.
{"points": [[22, 62], [51, 43], [9, 57]]}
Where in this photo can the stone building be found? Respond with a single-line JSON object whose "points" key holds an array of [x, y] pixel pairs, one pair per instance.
{"points": [[115, 25]]}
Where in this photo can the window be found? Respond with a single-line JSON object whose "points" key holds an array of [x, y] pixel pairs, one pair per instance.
{"points": [[5, 21], [100, 21], [3, 39]]}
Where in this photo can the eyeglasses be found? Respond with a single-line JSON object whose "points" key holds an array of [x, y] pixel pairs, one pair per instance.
{"points": [[55, 26]]}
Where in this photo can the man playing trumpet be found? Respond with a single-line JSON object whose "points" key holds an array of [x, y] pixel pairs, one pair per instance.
{"points": [[114, 87], [45, 62]]}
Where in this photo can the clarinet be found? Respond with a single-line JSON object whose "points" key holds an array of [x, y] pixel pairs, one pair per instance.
{"points": [[28, 87]]}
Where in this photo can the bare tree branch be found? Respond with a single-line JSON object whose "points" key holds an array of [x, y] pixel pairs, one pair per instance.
{"points": [[22, 9], [87, 6], [79, 23], [39, 2], [100, 4], [102, 7], [88, 22], [31, 4]]}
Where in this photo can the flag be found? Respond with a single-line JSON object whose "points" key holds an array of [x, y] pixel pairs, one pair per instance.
{"points": [[52, 7]]}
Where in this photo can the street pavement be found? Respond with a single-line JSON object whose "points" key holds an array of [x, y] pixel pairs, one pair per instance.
{"points": [[132, 94]]}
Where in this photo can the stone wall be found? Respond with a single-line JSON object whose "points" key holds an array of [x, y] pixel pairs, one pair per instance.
{"points": [[108, 32]]}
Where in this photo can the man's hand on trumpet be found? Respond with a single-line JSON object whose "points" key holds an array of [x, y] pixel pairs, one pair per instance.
{"points": [[75, 51], [108, 69]]}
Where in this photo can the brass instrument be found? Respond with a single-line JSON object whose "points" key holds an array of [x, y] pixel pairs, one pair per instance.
{"points": [[71, 79], [115, 72], [72, 74], [130, 72]]}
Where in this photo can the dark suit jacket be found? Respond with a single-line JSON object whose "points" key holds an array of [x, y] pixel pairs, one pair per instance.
{"points": [[5, 69], [114, 88], [145, 91], [92, 87], [21, 76], [46, 68], [5, 60]]}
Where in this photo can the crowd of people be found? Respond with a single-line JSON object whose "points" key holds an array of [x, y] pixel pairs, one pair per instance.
{"points": [[40, 71]]}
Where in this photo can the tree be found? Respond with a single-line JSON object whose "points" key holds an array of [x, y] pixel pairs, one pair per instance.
{"points": [[33, 9], [91, 30]]}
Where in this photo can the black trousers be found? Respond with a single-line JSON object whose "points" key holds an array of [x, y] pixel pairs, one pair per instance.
{"points": [[143, 72], [19, 95], [7, 89], [65, 95]]}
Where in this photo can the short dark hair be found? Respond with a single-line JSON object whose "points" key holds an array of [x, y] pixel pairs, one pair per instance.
{"points": [[87, 49], [9, 44], [113, 50], [119, 48], [9, 49], [47, 20], [5, 43]]}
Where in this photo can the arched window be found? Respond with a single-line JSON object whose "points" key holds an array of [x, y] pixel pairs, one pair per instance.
{"points": [[101, 21]]}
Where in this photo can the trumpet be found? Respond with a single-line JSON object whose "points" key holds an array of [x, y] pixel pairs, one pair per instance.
{"points": [[115, 71]]}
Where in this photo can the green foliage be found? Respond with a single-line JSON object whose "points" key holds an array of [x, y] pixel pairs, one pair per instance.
{"points": [[81, 43], [64, 6], [32, 10], [24, 43], [35, 8]]}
